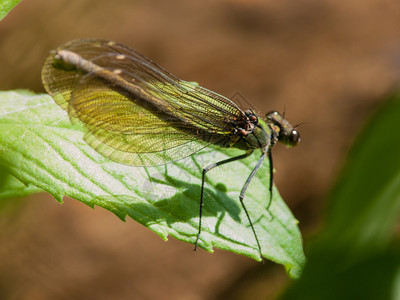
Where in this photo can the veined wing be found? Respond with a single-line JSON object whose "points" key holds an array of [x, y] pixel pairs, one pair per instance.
{"points": [[136, 113]]}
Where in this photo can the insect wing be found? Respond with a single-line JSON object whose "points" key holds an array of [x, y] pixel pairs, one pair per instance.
{"points": [[163, 119]]}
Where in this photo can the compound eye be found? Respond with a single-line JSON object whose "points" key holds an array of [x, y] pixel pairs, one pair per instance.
{"points": [[294, 138]]}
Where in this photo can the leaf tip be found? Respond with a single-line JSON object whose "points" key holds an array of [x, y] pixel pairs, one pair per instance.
{"points": [[59, 197]]}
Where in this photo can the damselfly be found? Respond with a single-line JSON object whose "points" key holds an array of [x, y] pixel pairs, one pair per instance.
{"points": [[136, 113]]}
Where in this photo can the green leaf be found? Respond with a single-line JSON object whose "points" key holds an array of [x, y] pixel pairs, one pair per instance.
{"points": [[357, 256], [6, 6], [42, 149], [12, 187]]}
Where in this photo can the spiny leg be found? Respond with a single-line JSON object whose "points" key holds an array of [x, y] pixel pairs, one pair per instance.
{"points": [[205, 170]]}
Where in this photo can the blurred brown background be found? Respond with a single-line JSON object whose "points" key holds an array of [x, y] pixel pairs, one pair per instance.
{"points": [[328, 63]]}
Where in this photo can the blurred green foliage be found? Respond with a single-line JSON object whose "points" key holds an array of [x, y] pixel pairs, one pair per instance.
{"points": [[357, 255]]}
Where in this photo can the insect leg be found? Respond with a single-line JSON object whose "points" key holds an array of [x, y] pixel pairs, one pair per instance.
{"points": [[242, 193], [205, 170], [271, 177]]}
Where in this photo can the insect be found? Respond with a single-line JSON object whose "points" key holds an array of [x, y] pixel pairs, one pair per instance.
{"points": [[136, 113]]}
